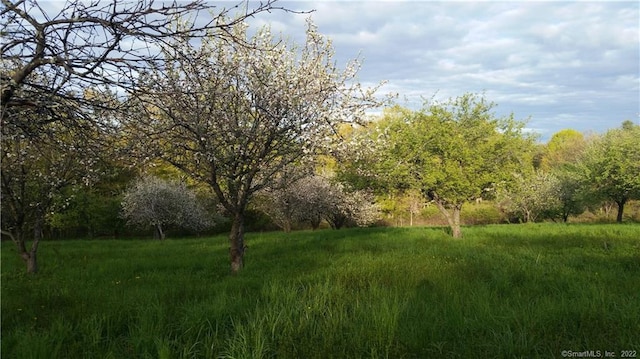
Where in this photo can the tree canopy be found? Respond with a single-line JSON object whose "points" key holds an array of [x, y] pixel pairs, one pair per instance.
{"points": [[452, 152], [612, 165], [234, 117]]}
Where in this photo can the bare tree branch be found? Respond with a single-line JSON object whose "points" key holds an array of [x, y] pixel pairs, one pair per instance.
{"points": [[99, 44]]}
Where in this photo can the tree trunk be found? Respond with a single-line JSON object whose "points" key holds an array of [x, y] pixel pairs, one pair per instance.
{"points": [[315, 223], [236, 241], [158, 233], [286, 226], [32, 263], [29, 257], [453, 217], [620, 209], [456, 232]]}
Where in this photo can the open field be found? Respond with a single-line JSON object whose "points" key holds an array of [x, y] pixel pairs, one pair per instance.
{"points": [[503, 291]]}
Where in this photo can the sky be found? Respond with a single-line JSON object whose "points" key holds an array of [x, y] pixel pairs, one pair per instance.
{"points": [[555, 64]]}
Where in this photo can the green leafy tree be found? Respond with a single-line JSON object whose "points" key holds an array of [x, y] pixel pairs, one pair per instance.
{"points": [[451, 152], [562, 157], [612, 166], [565, 147]]}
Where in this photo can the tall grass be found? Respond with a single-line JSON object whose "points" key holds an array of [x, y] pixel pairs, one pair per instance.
{"points": [[502, 291]]}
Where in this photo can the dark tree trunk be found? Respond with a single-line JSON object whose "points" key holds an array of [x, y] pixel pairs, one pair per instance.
{"points": [[32, 262], [29, 257], [158, 233], [315, 223], [236, 241], [337, 220], [620, 209]]}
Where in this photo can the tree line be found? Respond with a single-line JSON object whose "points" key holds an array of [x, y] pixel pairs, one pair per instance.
{"points": [[457, 151], [145, 114]]}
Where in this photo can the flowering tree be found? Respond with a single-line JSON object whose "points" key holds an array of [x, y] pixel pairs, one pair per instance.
{"points": [[95, 44], [235, 116], [59, 65], [283, 201], [529, 197], [350, 206], [37, 164], [314, 198], [152, 201]]}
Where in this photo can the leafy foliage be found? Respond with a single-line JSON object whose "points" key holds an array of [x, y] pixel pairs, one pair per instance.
{"points": [[612, 166], [451, 152]]}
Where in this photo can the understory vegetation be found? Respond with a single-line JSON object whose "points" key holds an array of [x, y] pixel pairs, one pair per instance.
{"points": [[505, 291]]}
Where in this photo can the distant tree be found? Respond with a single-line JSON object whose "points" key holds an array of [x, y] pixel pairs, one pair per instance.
{"points": [[562, 157], [90, 210], [450, 152], [344, 206], [155, 202], [564, 147], [234, 117], [315, 198], [612, 166], [283, 201], [572, 193], [531, 196]]}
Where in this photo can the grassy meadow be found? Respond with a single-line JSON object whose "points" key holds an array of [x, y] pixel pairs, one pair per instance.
{"points": [[503, 291]]}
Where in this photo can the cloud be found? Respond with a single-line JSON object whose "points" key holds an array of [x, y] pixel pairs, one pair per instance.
{"points": [[565, 64]]}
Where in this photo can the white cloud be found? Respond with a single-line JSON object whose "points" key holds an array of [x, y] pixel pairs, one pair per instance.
{"points": [[565, 64]]}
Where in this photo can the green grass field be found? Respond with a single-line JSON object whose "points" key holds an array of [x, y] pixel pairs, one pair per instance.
{"points": [[504, 291]]}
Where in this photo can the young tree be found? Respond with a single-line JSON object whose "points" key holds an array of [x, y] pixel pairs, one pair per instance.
{"points": [[612, 166], [235, 116], [451, 152], [155, 202]]}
